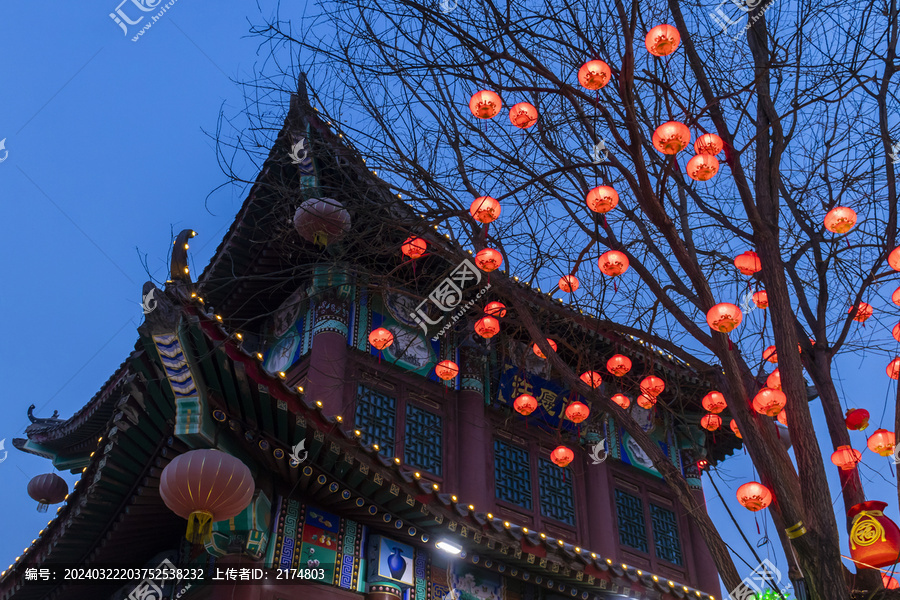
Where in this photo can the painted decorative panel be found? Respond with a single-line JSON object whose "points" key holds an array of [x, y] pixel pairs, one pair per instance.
{"points": [[630, 516], [556, 492], [423, 444], [665, 534], [512, 481], [376, 417]]}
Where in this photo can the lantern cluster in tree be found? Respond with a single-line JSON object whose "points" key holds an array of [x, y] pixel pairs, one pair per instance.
{"points": [[523, 115], [525, 404], [322, 221], [881, 442], [769, 402], [568, 283], [761, 299], [861, 312], [711, 422], [645, 401], [562, 456], [893, 368], [485, 104], [446, 370], [485, 209], [708, 143], [845, 458], [488, 260], [618, 365], [613, 263], [702, 167], [414, 247], [774, 380], [622, 400], [594, 74], [714, 402], [671, 137], [754, 496], [653, 386], [857, 419], [577, 412], [770, 354], [602, 199], [47, 489], [735, 430], [840, 219], [874, 538], [495, 309], [724, 317], [748, 263], [487, 327], [662, 40], [381, 338], [592, 378], [537, 349]]}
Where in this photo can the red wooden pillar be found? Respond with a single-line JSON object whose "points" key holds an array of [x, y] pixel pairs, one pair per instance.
{"points": [[602, 530], [328, 355], [474, 474]]}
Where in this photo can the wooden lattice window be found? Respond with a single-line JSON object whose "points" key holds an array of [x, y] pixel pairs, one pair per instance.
{"points": [[376, 415], [630, 515], [555, 492], [665, 534], [422, 446], [512, 475]]}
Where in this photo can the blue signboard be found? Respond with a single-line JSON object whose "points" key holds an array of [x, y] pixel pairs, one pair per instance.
{"points": [[551, 396]]}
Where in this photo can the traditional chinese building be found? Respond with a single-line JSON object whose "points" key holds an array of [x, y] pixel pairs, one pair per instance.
{"points": [[373, 478]]}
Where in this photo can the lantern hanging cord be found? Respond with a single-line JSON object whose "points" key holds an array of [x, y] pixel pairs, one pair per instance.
{"points": [[738, 527]]}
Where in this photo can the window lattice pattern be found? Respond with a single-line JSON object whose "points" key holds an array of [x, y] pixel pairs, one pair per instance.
{"points": [[556, 492], [665, 534], [512, 474], [423, 439], [630, 514], [375, 417]]}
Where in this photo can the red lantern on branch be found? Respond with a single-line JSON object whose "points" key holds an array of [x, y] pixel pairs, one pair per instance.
{"points": [[754, 496], [711, 422], [770, 355], [761, 299], [592, 378], [562, 456], [622, 400], [485, 104], [769, 402], [748, 263], [488, 260], [662, 40], [846, 458], [487, 327], [485, 209], [714, 402], [896, 332], [840, 219], [414, 247], [895, 297], [702, 167], [881, 442], [523, 115], [594, 74], [653, 386], [525, 404], [708, 143], [874, 538], [724, 317], [322, 221], [861, 312], [671, 137], [602, 199], [645, 401], [495, 309], [774, 380], [618, 365], [890, 583], [577, 412], [612, 263], [893, 368], [568, 283], [857, 419], [537, 349], [894, 259], [381, 338], [446, 370], [735, 430]]}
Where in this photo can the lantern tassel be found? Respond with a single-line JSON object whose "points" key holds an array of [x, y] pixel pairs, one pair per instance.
{"points": [[615, 286], [199, 527]]}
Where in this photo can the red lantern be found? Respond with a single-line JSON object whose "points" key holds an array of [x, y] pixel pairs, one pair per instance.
{"points": [[622, 400], [702, 464], [446, 370], [662, 40], [702, 167], [782, 417], [671, 137], [840, 219], [487, 327], [525, 404], [495, 309], [613, 263], [748, 263], [770, 355], [322, 221], [485, 209], [769, 402], [594, 74], [414, 247], [896, 332], [602, 199], [894, 259], [861, 312], [381, 338], [592, 378], [618, 365], [881, 442], [562, 456], [761, 299], [204, 486], [47, 489], [893, 368], [577, 412], [488, 260], [711, 422], [734, 428], [645, 401], [724, 317], [890, 583], [714, 402], [774, 380], [874, 538], [708, 143], [568, 283], [754, 496], [537, 350], [857, 419], [653, 386], [485, 104], [846, 458], [523, 115], [895, 297]]}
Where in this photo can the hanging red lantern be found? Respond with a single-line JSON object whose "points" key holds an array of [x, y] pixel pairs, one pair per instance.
{"points": [[622, 400], [769, 402], [618, 365], [846, 458], [487, 327], [653, 386], [446, 370], [602, 199], [894, 259], [495, 309], [671, 137], [47, 489], [774, 380], [782, 417], [562, 456], [485, 104], [322, 221], [896, 332], [711, 422], [702, 464], [525, 404], [770, 355], [724, 317], [874, 538], [568, 283], [488, 260], [895, 297], [594, 74], [485, 209], [612, 263], [881, 442], [861, 312], [702, 167], [662, 40], [840, 219], [523, 115], [645, 401], [754, 496], [857, 419], [714, 402], [414, 247], [537, 350], [890, 583], [381, 338], [893, 368], [592, 378], [748, 263], [735, 430], [577, 412], [708, 143], [761, 299]]}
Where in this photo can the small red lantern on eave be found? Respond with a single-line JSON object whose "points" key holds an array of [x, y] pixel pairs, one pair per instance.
{"points": [[735, 430], [485, 104], [523, 115], [645, 401], [537, 349], [487, 327], [592, 378], [525, 404], [761, 299], [485, 209], [754, 496], [770, 355], [577, 412], [381, 338], [562, 456], [881, 442], [711, 422], [602, 199], [874, 538], [653, 386], [672, 137], [893, 368], [846, 458], [782, 417], [568, 283], [613, 263], [714, 402], [488, 260], [618, 365], [769, 402], [594, 74], [895, 297], [47, 489], [857, 419], [414, 247], [702, 167], [894, 259], [724, 317], [774, 380], [662, 40], [446, 370], [622, 400], [861, 312], [840, 219], [495, 309], [748, 263], [708, 143]]}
